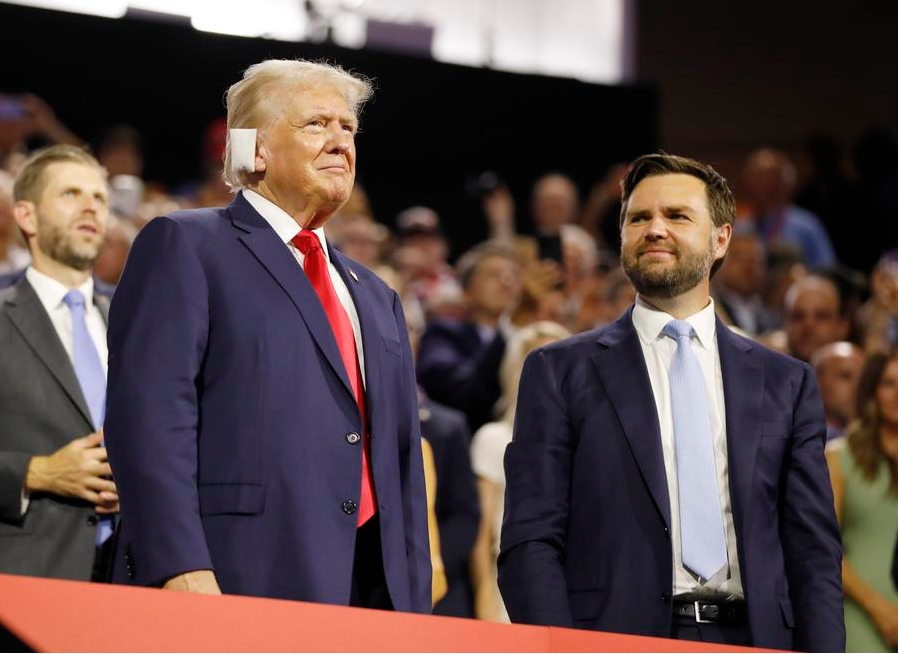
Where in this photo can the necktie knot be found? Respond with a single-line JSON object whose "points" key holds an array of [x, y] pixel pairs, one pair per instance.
{"points": [[306, 241], [679, 330], [74, 299]]}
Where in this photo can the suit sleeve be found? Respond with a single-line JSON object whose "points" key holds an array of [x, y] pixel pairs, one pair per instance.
{"points": [[414, 495], [13, 468], [537, 501], [812, 547], [454, 376], [158, 326]]}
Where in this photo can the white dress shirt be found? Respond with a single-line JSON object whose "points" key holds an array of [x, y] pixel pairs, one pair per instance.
{"points": [[51, 292], [286, 229], [658, 351]]}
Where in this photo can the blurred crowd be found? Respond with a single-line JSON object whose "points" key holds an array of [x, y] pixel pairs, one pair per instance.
{"points": [[812, 271]]}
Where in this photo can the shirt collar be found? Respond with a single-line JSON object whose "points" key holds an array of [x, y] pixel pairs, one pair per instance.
{"points": [[281, 222], [51, 292], [649, 322]]}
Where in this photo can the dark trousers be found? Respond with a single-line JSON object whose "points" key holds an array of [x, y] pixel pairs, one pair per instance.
{"points": [[103, 561], [369, 586]]}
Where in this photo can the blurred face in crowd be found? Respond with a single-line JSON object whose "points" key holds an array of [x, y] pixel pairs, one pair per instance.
{"points": [[668, 240], [812, 318], [887, 394], [307, 154], [68, 224], [494, 285], [745, 269], [838, 373], [554, 203], [769, 178]]}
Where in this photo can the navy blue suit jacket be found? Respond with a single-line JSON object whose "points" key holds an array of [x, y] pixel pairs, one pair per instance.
{"points": [[230, 417], [458, 369], [586, 537]]}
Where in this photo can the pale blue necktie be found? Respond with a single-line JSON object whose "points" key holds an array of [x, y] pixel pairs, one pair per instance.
{"points": [[89, 371], [701, 521]]}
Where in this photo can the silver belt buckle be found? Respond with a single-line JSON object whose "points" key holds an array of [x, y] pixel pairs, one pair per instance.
{"points": [[698, 615]]}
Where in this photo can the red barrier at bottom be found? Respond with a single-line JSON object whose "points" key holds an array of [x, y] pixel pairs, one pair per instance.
{"points": [[73, 616]]}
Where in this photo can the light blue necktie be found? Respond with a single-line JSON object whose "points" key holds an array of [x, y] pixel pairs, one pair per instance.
{"points": [[89, 371], [701, 520]]}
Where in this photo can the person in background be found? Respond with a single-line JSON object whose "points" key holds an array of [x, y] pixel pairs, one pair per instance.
{"points": [[56, 495], [863, 467], [812, 316], [262, 387], [738, 287], [838, 368], [769, 179], [649, 456], [487, 455], [13, 256]]}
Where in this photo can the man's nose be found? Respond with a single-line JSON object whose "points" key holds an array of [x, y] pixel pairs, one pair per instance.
{"points": [[341, 140], [656, 226]]}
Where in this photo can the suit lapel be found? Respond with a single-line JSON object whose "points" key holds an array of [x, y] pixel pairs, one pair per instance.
{"points": [[276, 258], [743, 389], [621, 367], [31, 320], [372, 340]]}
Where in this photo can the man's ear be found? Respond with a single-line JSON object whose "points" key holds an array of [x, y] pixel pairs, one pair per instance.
{"points": [[722, 237], [25, 213]]}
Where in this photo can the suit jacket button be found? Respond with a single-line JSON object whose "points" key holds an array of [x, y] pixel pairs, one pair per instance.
{"points": [[92, 520], [665, 596], [349, 507], [352, 438]]}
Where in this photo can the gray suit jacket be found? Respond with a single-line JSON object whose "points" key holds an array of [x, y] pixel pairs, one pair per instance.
{"points": [[41, 409]]}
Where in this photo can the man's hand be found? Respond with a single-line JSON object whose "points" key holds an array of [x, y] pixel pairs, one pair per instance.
{"points": [[197, 581], [79, 469]]}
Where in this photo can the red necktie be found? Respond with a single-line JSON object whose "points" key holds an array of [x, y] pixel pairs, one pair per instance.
{"points": [[315, 267]]}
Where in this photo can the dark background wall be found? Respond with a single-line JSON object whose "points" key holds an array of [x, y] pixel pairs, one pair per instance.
{"points": [[735, 75], [430, 128]]}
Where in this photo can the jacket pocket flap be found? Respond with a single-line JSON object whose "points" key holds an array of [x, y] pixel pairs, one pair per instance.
{"points": [[237, 498]]}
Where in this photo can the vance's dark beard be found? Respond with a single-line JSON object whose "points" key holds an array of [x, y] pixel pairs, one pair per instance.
{"points": [[655, 281]]}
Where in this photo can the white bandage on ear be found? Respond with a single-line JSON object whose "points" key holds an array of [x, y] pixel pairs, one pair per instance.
{"points": [[243, 150]]}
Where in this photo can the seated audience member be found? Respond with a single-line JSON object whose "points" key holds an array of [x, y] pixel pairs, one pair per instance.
{"points": [[813, 316], [487, 453], [56, 493], [360, 238], [838, 368], [877, 318], [613, 294], [12, 255], [458, 360], [769, 180], [111, 260], [739, 284], [864, 474], [425, 257]]}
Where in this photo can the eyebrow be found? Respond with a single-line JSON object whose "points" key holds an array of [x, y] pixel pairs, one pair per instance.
{"points": [[667, 210]]}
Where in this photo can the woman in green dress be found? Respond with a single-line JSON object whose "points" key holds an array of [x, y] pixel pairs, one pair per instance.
{"points": [[864, 471]]}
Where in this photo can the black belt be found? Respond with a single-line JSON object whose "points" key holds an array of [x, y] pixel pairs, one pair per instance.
{"points": [[719, 612]]}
